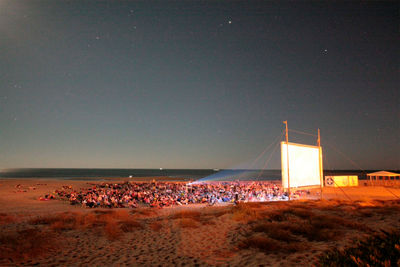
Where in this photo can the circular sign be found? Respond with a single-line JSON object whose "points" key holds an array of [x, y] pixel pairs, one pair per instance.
{"points": [[329, 181]]}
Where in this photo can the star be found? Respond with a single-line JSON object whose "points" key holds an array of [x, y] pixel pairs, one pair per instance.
{"points": [[230, 21]]}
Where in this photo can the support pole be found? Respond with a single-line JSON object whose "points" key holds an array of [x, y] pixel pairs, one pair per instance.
{"points": [[287, 157], [321, 174]]}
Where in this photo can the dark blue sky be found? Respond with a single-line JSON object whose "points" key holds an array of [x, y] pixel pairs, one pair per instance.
{"points": [[196, 84]]}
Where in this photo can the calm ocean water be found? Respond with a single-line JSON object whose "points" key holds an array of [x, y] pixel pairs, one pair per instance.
{"points": [[181, 174]]}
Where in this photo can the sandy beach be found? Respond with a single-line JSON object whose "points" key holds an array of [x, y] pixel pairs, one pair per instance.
{"points": [[53, 232]]}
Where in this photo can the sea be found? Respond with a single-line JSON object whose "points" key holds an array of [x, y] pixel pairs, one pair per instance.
{"points": [[178, 174]]}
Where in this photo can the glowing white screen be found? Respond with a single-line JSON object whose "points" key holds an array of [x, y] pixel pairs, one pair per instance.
{"points": [[304, 165]]}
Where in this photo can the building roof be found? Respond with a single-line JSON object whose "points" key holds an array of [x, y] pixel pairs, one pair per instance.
{"points": [[383, 173]]}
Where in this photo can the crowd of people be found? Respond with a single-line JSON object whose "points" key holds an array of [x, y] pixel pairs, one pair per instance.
{"points": [[163, 194]]}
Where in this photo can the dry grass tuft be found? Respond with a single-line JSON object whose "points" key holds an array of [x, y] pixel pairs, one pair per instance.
{"points": [[218, 211], [111, 223], [103, 219], [5, 218], [386, 210], [27, 244], [187, 214], [292, 226], [187, 223], [89, 220], [379, 249], [61, 221], [102, 212], [156, 226], [60, 226], [365, 212], [261, 242], [301, 212], [254, 205], [277, 215], [143, 212], [326, 221], [112, 230], [296, 247], [43, 220], [243, 212], [274, 230], [129, 225], [121, 214]]}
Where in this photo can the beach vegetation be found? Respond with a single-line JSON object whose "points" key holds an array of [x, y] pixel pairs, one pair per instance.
{"points": [[292, 228], [379, 249], [261, 242], [188, 214], [112, 230], [244, 212], [6, 218], [129, 225], [187, 223], [111, 223], [156, 226], [27, 244]]}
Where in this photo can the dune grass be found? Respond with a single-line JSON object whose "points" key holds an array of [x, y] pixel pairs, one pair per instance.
{"points": [[196, 218], [245, 212], [187, 214], [187, 223], [262, 242], [129, 225], [156, 226], [6, 218], [380, 249], [28, 243], [111, 230], [109, 222], [277, 227], [290, 227], [143, 212]]}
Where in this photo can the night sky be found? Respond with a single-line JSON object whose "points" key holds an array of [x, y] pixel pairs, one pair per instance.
{"points": [[197, 84]]}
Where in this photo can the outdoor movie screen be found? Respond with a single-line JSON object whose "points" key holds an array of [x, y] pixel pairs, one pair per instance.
{"points": [[305, 168]]}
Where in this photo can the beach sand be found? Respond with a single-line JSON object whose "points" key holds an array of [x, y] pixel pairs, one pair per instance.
{"points": [[53, 233]]}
